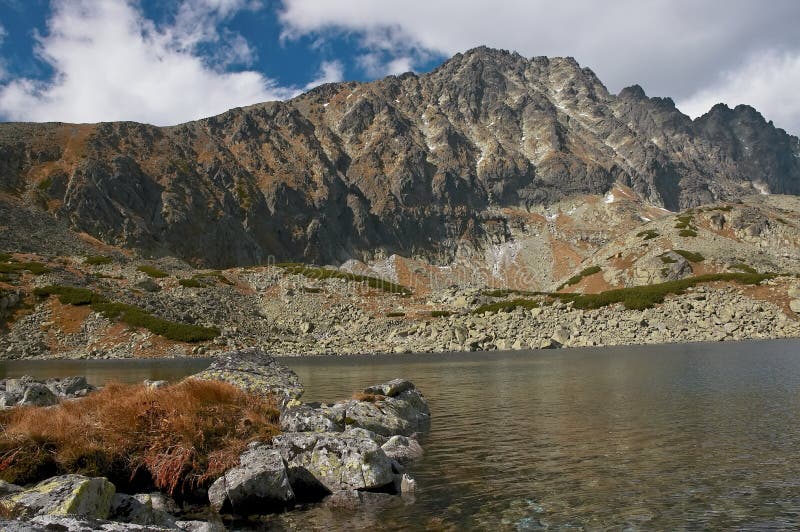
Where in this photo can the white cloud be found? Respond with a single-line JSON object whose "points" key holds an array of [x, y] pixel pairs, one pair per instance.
{"points": [[769, 82], [671, 47], [111, 63], [329, 72]]}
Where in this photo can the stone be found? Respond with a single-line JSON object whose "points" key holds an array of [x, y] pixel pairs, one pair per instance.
{"points": [[143, 509], [794, 292], [37, 394], [390, 389], [320, 463], [404, 414], [70, 386], [200, 526], [155, 385], [255, 371], [8, 399], [7, 488], [259, 484], [52, 523], [407, 484], [402, 449], [67, 495], [310, 418], [794, 305]]}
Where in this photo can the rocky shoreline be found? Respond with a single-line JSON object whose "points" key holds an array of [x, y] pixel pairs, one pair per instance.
{"points": [[339, 454]]}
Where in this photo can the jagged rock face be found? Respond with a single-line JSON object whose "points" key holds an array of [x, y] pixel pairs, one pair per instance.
{"points": [[412, 165]]}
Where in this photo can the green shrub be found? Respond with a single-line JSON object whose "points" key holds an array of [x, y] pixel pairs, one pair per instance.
{"points": [[504, 292], [648, 234], [191, 283], [642, 297], [575, 279], [5, 257], [507, 306], [687, 233], [666, 259], [395, 314], [311, 290], [155, 273], [743, 268], [36, 268], [130, 314], [45, 184], [691, 256], [97, 260], [441, 313], [326, 273]]}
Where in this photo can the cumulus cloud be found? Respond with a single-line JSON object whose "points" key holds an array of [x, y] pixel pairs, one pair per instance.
{"points": [[766, 81], [112, 63], [671, 47], [329, 72]]}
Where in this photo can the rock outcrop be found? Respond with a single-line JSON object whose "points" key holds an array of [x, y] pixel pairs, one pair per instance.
{"points": [[27, 391], [413, 165], [68, 495]]}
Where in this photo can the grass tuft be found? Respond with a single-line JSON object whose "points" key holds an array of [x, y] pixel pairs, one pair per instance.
{"points": [[395, 314], [507, 306], [130, 314], [368, 397], [691, 256], [192, 283], [575, 279], [441, 313], [648, 234], [98, 260], [153, 272], [179, 437], [326, 273]]}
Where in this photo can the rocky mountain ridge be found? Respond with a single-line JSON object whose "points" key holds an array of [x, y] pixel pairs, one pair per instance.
{"points": [[420, 166]]}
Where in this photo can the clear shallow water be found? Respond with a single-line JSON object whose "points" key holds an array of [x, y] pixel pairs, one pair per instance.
{"points": [[657, 437]]}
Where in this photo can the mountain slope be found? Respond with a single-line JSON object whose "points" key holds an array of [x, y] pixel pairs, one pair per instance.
{"points": [[420, 166]]}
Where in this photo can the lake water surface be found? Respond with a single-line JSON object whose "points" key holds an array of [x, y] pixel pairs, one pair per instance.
{"points": [[652, 437]]}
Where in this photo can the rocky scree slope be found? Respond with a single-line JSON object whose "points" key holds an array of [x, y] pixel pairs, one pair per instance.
{"points": [[412, 165]]}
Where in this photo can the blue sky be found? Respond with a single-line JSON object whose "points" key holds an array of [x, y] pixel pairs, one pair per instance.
{"points": [[169, 62]]}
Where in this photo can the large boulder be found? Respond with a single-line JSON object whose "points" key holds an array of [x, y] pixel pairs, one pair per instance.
{"points": [[67, 495], [52, 523], [405, 412], [37, 394], [70, 387], [259, 484], [143, 509], [313, 418], [256, 372], [321, 463]]}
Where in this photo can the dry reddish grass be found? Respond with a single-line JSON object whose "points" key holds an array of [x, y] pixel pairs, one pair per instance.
{"points": [[368, 397], [177, 438]]}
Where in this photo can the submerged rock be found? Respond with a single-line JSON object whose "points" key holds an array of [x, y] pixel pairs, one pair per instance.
{"points": [[67, 495], [256, 372], [259, 484]]}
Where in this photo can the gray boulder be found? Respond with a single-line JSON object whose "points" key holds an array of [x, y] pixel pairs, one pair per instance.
{"points": [[68, 495], [256, 372], [403, 450], [330, 462], [37, 394], [52, 523], [69, 387], [404, 414], [392, 388], [259, 484], [313, 418], [143, 509]]}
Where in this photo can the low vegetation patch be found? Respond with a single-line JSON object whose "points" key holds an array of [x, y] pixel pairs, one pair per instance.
{"points": [[213, 276], [666, 259], [575, 279], [175, 438], [441, 313], [326, 273], [368, 397], [507, 306], [687, 233], [691, 256], [649, 234], [153, 272], [13, 267], [98, 260], [311, 290], [395, 314], [742, 267], [505, 292], [192, 283], [130, 314], [642, 297]]}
